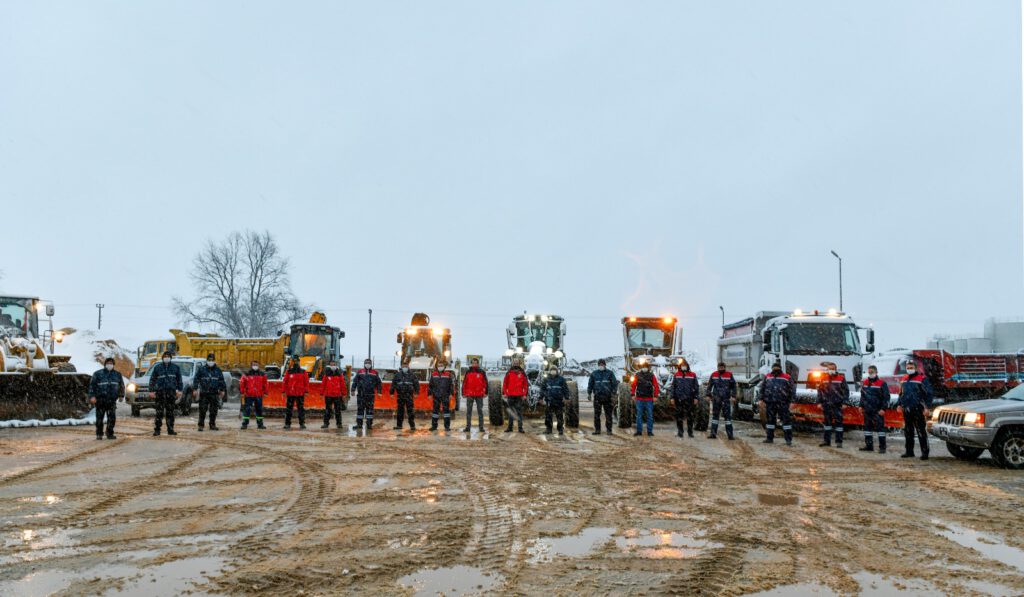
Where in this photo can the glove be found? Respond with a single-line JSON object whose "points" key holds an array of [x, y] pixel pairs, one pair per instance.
{"points": [[590, 397]]}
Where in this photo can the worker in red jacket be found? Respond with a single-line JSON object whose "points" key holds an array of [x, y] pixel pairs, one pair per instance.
{"points": [[514, 388], [253, 387], [474, 388], [334, 389], [833, 392], [296, 385], [441, 388]]}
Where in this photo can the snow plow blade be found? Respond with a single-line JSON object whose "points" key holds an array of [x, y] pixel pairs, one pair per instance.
{"points": [[43, 395]]}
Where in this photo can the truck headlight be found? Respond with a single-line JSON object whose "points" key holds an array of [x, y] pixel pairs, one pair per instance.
{"points": [[131, 387], [974, 419], [559, 354]]}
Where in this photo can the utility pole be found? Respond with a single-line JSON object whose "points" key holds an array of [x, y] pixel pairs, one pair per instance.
{"points": [[99, 315], [369, 338], [836, 255]]}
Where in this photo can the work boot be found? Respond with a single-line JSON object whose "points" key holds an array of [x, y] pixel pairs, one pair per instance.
{"points": [[213, 427], [467, 429], [596, 432], [287, 426], [610, 431], [481, 430], [881, 445], [679, 433], [412, 427], [561, 432], [907, 455], [521, 429], [768, 440], [689, 433], [924, 456], [397, 428], [259, 425], [547, 431], [509, 428], [867, 448], [839, 445], [200, 428], [825, 444], [99, 436], [433, 427], [637, 434], [789, 442], [713, 436], [302, 425], [650, 434], [325, 426], [111, 436], [245, 424], [172, 432]]}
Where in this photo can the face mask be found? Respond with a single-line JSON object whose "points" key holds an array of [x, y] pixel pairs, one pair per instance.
{"points": [[911, 371], [255, 367], [552, 373], [366, 365], [872, 375], [405, 369], [601, 367], [209, 363], [684, 368], [167, 361], [109, 367], [831, 371]]}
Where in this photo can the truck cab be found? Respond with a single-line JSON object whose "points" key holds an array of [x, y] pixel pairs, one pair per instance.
{"points": [[801, 341], [150, 352]]}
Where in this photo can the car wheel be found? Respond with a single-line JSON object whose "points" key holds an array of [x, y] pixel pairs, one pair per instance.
{"points": [[1008, 449], [964, 452]]}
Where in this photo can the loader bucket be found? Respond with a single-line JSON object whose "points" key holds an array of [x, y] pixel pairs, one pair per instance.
{"points": [[43, 395]]}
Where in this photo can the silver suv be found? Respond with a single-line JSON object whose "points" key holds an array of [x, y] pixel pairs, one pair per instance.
{"points": [[996, 425]]}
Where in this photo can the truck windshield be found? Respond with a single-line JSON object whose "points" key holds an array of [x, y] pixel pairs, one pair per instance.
{"points": [[651, 338], [821, 338], [547, 332], [424, 344], [18, 318], [312, 343], [184, 366]]}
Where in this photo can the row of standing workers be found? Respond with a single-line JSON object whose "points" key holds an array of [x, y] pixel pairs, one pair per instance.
{"points": [[777, 392]]}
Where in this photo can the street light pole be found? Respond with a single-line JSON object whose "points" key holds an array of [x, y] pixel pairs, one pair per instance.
{"points": [[369, 337], [722, 309], [836, 255]]}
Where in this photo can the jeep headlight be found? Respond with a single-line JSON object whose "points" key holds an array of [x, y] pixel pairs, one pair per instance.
{"points": [[131, 387], [935, 414], [974, 419]]}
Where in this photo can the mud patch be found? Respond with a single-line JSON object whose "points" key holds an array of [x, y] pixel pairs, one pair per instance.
{"points": [[451, 582], [771, 499]]}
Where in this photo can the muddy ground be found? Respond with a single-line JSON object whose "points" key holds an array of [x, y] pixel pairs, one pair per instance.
{"points": [[322, 513]]}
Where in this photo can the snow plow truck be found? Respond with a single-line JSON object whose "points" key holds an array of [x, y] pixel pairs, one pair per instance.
{"points": [[537, 342], [34, 384], [801, 341], [422, 345], [658, 342]]}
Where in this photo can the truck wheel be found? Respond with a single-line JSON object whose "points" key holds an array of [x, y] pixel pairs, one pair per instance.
{"points": [[963, 452], [136, 411], [572, 413], [495, 405], [1008, 449], [625, 410]]}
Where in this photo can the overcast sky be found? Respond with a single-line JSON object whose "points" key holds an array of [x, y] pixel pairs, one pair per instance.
{"points": [[477, 159]]}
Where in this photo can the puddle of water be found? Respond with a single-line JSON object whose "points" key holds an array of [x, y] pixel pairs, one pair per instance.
{"points": [[770, 499], [574, 546], [988, 545], [173, 578], [36, 539], [657, 544], [876, 585], [49, 500], [381, 480], [790, 590], [451, 582]]}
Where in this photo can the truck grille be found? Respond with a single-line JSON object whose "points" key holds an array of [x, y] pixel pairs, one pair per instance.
{"points": [[951, 418]]}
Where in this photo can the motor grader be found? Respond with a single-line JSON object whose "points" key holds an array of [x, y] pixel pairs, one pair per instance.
{"points": [[537, 341], [654, 341], [34, 384], [422, 345]]}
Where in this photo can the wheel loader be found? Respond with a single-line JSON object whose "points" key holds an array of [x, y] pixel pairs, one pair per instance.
{"points": [[654, 341], [422, 345], [537, 341], [315, 344], [34, 384]]}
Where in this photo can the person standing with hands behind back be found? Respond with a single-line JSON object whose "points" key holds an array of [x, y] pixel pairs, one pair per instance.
{"points": [[165, 381], [105, 389], [916, 402]]}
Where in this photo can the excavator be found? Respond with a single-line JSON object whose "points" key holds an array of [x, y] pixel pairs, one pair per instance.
{"points": [[34, 384]]}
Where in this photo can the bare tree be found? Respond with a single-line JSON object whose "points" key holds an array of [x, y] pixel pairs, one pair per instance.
{"points": [[242, 287]]}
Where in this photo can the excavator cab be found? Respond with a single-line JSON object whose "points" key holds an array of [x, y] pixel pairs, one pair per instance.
{"points": [[315, 345]]}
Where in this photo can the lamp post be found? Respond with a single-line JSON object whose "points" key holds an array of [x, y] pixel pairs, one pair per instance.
{"points": [[722, 309], [836, 255]]}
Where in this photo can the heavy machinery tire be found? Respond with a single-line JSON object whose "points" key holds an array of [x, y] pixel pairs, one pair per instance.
{"points": [[572, 411], [625, 410], [963, 452], [66, 368], [1008, 449], [136, 411], [495, 405]]}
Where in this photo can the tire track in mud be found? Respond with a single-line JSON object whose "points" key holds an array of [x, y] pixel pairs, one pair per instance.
{"points": [[59, 462]]}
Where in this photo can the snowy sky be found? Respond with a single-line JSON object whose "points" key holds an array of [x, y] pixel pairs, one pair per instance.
{"points": [[477, 159]]}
